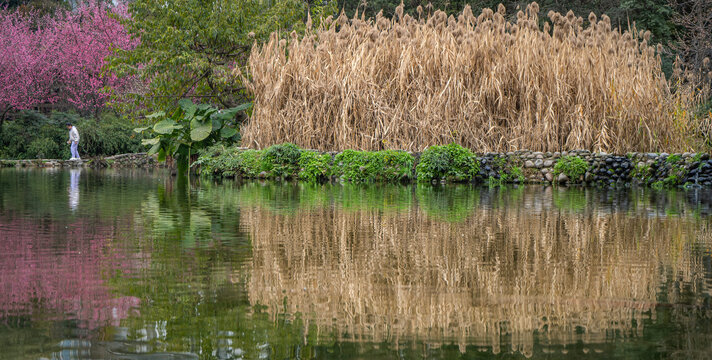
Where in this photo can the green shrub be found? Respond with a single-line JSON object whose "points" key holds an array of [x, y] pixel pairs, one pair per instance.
{"points": [[365, 166], [450, 162], [314, 167], [573, 166], [229, 161], [281, 160], [42, 148]]}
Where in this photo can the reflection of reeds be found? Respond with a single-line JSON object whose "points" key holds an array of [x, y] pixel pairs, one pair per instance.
{"points": [[383, 276]]}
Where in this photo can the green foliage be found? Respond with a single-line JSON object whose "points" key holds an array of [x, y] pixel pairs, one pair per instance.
{"points": [[314, 167], [449, 162], [189, 129], [189, 47], [653, 15], [281, 160], [673, 159], [573, 166], [39, 148], [366, 166], [516, 173], [219, 160], [32, 134]]}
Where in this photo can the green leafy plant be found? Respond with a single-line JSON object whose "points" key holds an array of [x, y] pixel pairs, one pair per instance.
{"points": [[313, 166], [673, 159], [281, 160], [516, 173], [572, 166], [365, 166], [188, 129], [448, 162]]}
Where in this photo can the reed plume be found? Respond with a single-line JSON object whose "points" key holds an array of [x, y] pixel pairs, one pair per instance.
{"points": [[484, 82]]}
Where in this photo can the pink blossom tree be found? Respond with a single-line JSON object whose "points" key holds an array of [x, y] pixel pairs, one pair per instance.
{"points": [[60, 58]]}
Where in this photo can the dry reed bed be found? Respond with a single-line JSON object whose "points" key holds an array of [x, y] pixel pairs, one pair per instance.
{"points": [[483, 82], [382, 277]]}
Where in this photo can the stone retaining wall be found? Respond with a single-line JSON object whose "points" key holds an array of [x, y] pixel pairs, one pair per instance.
{"points": [[655, 169], [137, 160]]}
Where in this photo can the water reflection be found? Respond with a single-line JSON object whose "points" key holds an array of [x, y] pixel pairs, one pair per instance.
{"points": [[74, 175], [149, 267]]}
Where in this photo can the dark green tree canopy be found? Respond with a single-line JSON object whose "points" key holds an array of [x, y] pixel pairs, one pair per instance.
{"points": [[189, 48]]}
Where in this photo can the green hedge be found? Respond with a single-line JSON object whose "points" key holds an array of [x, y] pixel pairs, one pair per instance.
{"points": [[452, 163]]}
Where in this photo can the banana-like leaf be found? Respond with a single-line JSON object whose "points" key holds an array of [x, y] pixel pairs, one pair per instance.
{"points": [[157, 114], [162, 155], [166, 126], [228, 132], [201, 131], [141, 129], [153, 141], [188, 107], [154, 149]]}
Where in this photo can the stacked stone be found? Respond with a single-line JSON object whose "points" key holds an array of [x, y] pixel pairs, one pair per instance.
{"points": [[700, 173], [138, 160], [494, 165], [678, 169], [609, 170]]}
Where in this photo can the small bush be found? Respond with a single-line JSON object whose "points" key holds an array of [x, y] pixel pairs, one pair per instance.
{"points": [[364, 166], [314, 167], [572, 166], [450, 162], [229, 161], [42, 148], [281, 160]]}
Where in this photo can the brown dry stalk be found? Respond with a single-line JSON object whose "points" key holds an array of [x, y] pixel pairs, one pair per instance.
{"points": [[381, 277], [483, 82]]}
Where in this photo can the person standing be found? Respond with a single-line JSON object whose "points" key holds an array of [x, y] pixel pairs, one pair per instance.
{"points": [[74, 141]]}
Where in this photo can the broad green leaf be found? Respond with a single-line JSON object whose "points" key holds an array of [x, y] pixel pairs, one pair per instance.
{"points": [[217, 124], [228, 132], [153, 141], [141, 129], [157, 114], [242, 107], [201, 132], [166, 126], [188, 107], [154, 149], [162, 155]]}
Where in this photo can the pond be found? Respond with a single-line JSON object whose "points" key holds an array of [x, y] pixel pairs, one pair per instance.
{"points": [[139, 265]]}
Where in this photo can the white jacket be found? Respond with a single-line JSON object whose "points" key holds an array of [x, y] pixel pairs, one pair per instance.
{"points": [[73, 134]]}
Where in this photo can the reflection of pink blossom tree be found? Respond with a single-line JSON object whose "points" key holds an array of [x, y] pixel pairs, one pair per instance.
{"points": [[59, 57], [39, 274]]}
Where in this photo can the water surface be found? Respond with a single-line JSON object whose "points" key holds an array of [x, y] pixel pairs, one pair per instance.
{"points": [[138, 265]]}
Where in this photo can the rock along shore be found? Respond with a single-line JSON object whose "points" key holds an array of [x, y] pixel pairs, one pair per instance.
{"points": [[137, 160]]}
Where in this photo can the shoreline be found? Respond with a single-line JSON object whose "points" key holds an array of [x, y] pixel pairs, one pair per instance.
{"points": [[657, 170]]}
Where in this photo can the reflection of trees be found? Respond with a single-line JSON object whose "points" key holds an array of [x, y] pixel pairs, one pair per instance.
{"points": [[515, 267], [59, 279]]}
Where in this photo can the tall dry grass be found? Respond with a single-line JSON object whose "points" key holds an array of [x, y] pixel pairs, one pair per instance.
{"points": [[484, 82], [503, 271]]}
